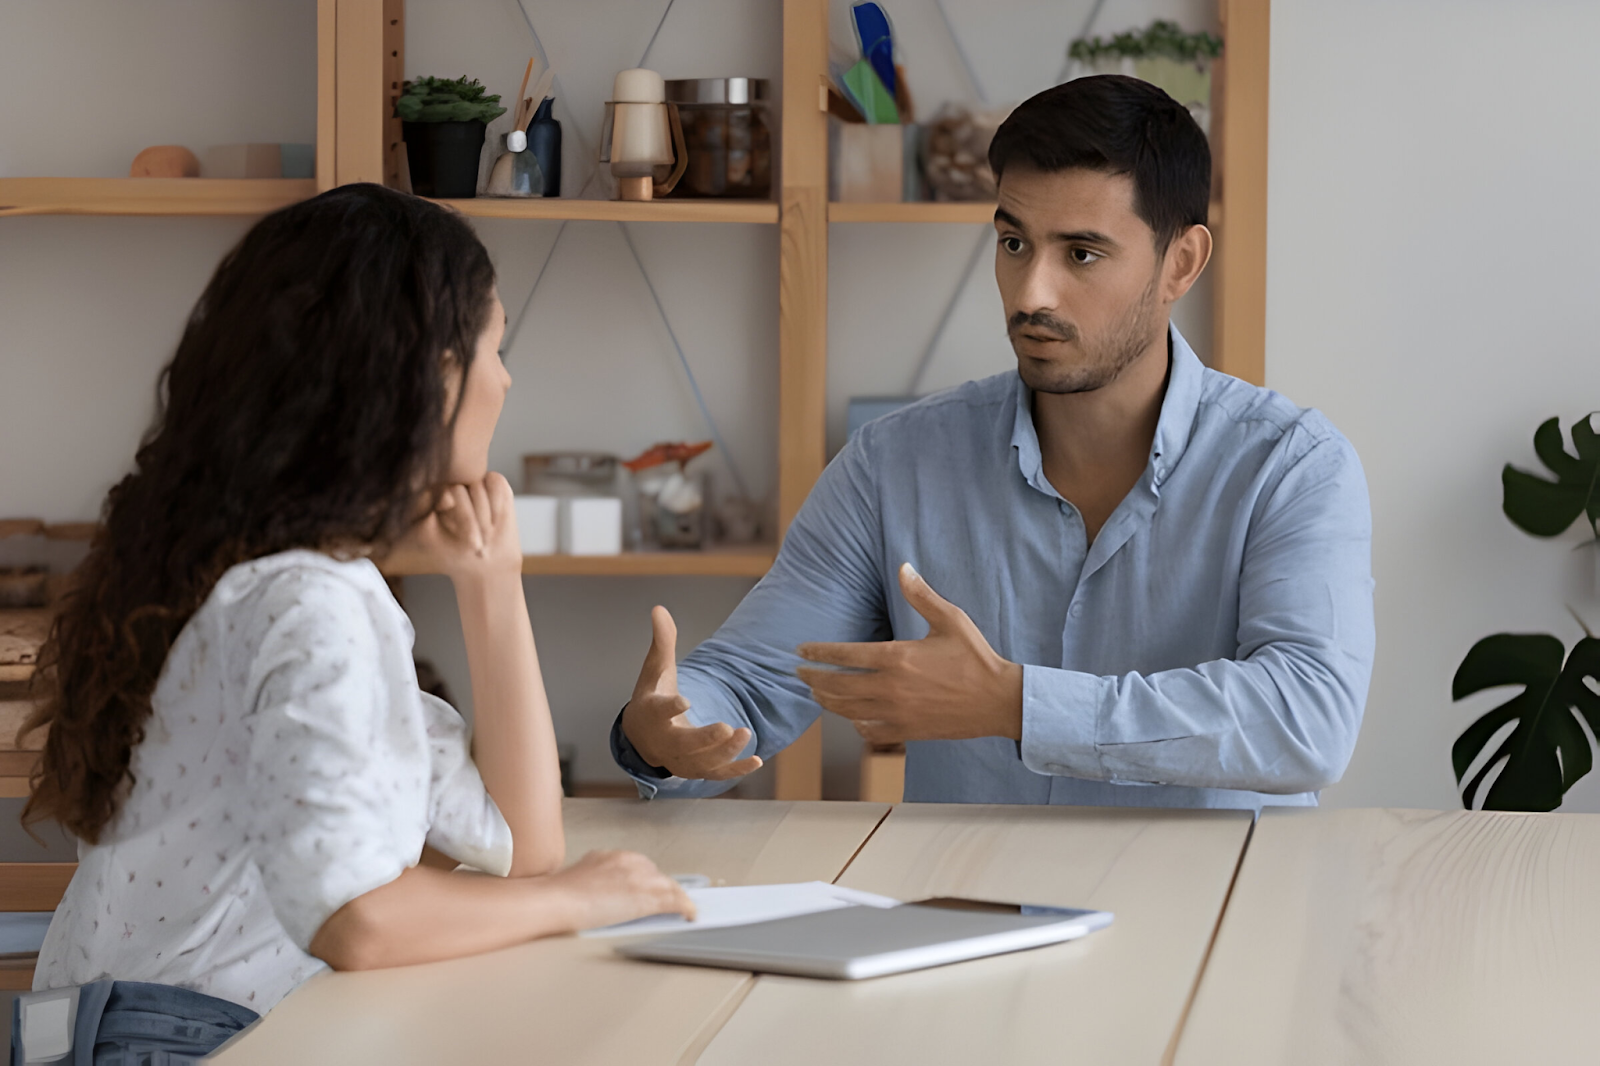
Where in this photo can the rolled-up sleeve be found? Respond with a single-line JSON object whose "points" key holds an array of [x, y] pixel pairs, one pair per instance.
{"points": [[1282, 716]]}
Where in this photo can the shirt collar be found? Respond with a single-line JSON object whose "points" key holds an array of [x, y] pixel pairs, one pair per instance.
{"points": [[1185, 378]]}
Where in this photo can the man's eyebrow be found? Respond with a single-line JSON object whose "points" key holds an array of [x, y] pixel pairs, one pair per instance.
{"points": [[1086, 236]]}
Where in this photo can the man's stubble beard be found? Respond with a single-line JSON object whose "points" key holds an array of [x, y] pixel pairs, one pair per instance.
{"points": [[1121, 347]]}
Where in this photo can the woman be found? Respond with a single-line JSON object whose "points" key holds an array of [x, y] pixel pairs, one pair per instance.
{"points": [[236, 732]]}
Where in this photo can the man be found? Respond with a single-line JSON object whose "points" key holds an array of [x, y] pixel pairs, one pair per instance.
{"points": [[1153, 580]]}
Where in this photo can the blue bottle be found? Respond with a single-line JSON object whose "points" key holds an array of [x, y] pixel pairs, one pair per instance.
{"points": [[544, 141]]}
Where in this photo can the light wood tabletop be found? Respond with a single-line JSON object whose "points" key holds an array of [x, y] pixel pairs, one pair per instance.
{"points": [[567, 1000], [1113, 997], [1416, 937]]}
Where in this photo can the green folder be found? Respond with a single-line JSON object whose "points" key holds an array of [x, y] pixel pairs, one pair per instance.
{"points": [[876, 104]]}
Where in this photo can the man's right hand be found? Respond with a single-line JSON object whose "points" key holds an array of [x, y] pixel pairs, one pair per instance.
{"points": [[654, 723]]}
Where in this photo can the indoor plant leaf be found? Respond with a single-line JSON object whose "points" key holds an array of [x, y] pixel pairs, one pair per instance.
{"points": [[1547, 751], [1546, 508], [447, 100]]}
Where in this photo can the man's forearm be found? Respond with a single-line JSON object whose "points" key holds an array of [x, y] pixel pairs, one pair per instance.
{"points": [[1278, 723]]}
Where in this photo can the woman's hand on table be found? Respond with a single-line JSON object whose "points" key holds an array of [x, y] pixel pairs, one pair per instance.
{"points": [[607, 887]]}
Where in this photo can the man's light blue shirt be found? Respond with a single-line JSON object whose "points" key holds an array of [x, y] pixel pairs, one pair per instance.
{"points": [[1211, 648]]}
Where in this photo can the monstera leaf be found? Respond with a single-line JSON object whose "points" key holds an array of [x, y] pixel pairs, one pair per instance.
{"points": [[1546, 508], [1547, 751]]}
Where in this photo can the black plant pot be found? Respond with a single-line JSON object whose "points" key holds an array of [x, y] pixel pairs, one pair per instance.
{"points": [[444, 157]]}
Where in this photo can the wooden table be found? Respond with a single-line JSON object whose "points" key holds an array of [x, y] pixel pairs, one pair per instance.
{"points": [[1114, 997], [568, 1000], [1406, 937]]}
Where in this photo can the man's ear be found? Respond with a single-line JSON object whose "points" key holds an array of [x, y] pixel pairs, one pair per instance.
{"points": [[1186, 257]]}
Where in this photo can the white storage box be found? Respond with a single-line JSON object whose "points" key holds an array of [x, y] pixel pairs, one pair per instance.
{"points": [[591, 525], [538, 524]]}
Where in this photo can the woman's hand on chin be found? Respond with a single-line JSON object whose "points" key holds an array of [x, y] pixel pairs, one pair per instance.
{"points": [[470, 535]]}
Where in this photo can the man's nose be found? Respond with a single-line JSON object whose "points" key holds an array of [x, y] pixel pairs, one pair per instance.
{"points": [[1037, 292]]}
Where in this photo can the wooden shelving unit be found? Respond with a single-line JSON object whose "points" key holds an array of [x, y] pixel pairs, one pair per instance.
{"points": [[150, 196]]}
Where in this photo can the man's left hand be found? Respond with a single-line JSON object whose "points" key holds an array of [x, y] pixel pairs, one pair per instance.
{"points": [[951, 685]]}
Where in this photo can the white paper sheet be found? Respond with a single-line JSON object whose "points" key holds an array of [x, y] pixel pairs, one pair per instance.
{"points": [[744, 904]]}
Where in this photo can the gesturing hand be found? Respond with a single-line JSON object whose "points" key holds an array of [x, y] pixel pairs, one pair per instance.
{"points": [[951, 685], [654, 724], [471, 533]]}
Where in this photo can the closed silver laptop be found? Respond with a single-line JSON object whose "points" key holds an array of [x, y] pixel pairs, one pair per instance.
{"points": [[851, 943]]}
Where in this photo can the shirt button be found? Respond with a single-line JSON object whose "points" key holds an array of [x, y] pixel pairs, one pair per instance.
{"points": [[1077, 610]]}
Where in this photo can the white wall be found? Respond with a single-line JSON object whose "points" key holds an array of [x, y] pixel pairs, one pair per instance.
{"points": [[1432, 287]]}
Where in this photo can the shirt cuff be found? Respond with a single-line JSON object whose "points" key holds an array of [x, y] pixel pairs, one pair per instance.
{"points": [[1060, 721], [647, 777]]}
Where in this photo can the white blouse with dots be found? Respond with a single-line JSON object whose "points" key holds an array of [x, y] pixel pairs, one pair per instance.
{"points": [[290, 765]]}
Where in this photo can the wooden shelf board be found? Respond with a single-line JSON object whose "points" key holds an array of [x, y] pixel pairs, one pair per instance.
{"points": [[761, 211], [34, 886], [917, 212], [913, 212], [16, 975], [150, 196], [743, 561]]}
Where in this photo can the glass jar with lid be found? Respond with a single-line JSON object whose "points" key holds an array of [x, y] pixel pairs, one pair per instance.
{"points": [[725, 127]]}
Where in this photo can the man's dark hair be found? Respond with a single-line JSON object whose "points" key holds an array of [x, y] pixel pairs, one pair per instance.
{"points": [[1117, 125]]}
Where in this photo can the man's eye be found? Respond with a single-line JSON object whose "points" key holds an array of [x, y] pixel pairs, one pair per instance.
{"points": [[1083, 256], [1012, 245]]}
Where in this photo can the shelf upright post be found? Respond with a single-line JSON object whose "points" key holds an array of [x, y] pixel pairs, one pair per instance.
{"points": [[394, 72], [1239, 343], [327, 91], [802, 311], [360, 91]]}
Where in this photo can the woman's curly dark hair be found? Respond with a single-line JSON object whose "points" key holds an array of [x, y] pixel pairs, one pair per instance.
{"points": [[304, 408]]}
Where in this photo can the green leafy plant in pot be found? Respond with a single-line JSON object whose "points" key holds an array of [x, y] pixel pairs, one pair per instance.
{"points": [[1547, 751], [443, 124]]}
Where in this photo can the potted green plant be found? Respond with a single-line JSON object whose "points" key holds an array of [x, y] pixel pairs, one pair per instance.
{"points": [[1162, 54], [1547, 751], [443, 123]]}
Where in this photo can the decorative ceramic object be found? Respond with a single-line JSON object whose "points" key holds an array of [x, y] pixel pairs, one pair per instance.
{"points": [[165, 161]]}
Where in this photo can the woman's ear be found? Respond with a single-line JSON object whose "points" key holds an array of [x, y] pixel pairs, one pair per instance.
{"points": [[450, 368]]}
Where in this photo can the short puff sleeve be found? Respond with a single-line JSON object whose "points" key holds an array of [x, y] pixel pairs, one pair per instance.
{"points": [[464, 823], [340, 757]]}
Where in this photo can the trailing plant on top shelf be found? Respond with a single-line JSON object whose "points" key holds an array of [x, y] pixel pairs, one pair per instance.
{"points": [[1162, 38], [1547, 752]]}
